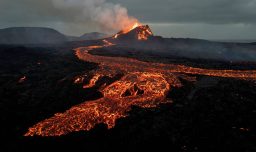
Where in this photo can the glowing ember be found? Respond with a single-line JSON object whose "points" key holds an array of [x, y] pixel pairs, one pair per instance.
{"points": [[107, 43], [92, 81], [244, 129], [79, 80], [22, 79], [143, 84]]}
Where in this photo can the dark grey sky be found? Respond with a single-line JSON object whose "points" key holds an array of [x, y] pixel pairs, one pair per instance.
{"points": [[209, 19]]}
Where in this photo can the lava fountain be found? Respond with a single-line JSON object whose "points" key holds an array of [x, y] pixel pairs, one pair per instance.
{"points": [[143, 84]]}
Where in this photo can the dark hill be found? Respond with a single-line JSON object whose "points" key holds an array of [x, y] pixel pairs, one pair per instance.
{"points": [[31, 35], [88, 36], [93, 36]]}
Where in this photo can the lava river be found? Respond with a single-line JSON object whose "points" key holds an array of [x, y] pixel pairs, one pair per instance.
{"points": [[142, 84]]}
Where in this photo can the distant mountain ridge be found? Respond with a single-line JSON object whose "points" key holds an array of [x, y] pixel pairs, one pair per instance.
{"points": [[88, 36], [93, 36], [41, 35], [31, 35]]}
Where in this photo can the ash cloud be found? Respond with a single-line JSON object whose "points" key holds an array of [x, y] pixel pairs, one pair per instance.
{"points": [[109, 16]]}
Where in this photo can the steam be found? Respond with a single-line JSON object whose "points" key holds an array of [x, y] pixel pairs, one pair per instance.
{"points": [[108, 16]]}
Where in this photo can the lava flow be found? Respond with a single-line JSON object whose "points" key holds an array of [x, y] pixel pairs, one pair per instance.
{"points": [[143, 84]]}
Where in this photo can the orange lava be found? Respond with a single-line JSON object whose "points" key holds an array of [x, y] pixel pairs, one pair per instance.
{"points": [[92, 81], [143, 84], [79, 79], [124, 31], [144, 33], [117, 101], [133, 65]]}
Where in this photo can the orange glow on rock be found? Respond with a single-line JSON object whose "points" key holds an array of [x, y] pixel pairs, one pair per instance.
{"points": [[144, 33], [124, 31], [131, 28]]}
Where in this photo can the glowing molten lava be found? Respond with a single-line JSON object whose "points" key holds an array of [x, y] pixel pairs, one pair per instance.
{"points": [[124, 31], [131, 28], [142, 32], [117, 101], [143, 84]]}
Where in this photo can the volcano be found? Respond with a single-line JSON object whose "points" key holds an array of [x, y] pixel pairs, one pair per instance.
{"points": [[142, 32]]}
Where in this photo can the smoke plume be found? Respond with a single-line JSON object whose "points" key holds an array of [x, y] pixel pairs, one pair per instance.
{"points": [[108, 16]]}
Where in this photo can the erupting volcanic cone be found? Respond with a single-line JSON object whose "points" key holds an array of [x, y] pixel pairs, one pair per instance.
{"points": [[142, 32]]}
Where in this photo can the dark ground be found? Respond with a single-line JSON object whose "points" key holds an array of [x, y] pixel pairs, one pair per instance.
{"points": [[211, 115], [167, 58]]}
